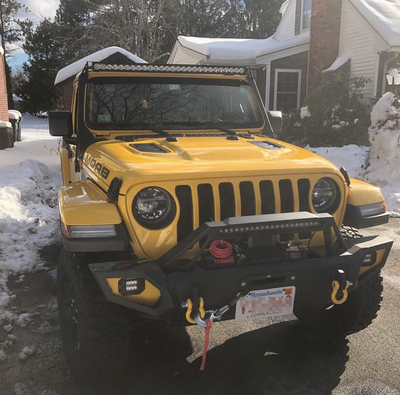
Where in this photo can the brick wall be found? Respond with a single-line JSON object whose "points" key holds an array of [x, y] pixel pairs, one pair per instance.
{"points": [[325, 34], [3, 90]]}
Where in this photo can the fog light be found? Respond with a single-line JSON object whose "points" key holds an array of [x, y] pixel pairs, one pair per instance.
{"points": [[370, 258], [131, 286]]}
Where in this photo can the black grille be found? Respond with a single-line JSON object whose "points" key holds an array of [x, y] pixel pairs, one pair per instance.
{"points": [[227, 207], [304, 194], [247, 198], [185, 222], [227, 200], [286, 192], [267, 197], [206, 203]]}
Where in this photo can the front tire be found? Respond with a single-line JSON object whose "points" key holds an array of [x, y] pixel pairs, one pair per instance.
{"points": [[356, 314], [95, 333]]}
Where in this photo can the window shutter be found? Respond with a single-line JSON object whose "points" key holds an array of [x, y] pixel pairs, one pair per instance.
{"points": [[298, 17]]}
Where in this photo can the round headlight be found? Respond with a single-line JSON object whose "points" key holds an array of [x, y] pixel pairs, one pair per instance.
{"points": [[324, 196], [154, 207]]}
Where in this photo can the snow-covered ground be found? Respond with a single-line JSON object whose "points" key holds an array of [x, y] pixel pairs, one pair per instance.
{"points": [[29, 181], [36, 144]]}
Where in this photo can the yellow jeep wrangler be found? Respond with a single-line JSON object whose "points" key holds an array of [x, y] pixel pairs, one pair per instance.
{"points": [[179, 204]]}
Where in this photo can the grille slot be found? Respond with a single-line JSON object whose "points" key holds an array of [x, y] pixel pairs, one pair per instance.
{"points": [[304, 191], [185, 222], [206, 203], [247, 198], [267, 197], [230, 192], [286, 192], [227, 200]]}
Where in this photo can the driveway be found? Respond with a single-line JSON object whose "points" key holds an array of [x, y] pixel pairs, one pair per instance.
{"points": [[260, 357]]}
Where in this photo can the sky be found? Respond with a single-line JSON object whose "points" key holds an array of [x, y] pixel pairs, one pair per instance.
{"points": [[39, 9]]}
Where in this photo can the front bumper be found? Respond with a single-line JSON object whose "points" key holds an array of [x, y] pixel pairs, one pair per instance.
{"points": [[175, 278]]}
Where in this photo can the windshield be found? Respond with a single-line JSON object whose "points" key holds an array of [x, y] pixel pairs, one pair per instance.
{"points": [[171, 103]]}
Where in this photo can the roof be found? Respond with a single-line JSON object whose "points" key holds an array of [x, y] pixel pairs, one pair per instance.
{"points": [[235, 49], [383, 16], [74, 68]]}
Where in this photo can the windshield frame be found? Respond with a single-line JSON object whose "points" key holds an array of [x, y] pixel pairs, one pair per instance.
{"points": [[263, 125]]}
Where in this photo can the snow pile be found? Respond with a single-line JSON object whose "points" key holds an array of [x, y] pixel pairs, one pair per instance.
{"points": [[305, 112], [384, 159], [28, 222]]}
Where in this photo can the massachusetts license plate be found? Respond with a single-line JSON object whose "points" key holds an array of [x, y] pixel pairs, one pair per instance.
{"points": [[265, 303]]}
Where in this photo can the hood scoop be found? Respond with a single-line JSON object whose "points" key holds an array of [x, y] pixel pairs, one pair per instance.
{"points": [[266, 145], [150, 147]]}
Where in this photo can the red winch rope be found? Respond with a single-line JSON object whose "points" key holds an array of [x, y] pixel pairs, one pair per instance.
{"points": [[206, 341], [221, 249]]}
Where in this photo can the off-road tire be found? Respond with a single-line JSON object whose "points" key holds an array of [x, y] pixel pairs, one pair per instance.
{"points": [[356, 314], [95, 333]]}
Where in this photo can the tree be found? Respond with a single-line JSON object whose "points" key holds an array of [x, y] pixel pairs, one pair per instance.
{"points": [[10, 32], [38, 91]]}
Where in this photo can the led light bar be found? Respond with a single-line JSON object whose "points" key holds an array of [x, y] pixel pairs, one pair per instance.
{"points": [[168, 68], [292, 226]]}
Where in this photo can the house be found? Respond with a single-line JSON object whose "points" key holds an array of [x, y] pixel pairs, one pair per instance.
{"points": [[115, 55], [314, 38], [6, 130]]}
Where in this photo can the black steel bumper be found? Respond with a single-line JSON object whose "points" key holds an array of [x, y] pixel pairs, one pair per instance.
{"points": [[176, 278]]}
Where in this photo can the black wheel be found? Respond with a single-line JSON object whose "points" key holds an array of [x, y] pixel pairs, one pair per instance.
{"points": [[95, 333], [356, 314]]}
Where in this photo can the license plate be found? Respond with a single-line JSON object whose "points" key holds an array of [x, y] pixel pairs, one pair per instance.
{"points": [[265, 303]]}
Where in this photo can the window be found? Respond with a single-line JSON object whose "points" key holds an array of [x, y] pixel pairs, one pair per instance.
{"points": [[287, 90], [170, 103], [306, 15]]}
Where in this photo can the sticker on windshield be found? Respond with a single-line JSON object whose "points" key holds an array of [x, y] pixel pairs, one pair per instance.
{"points": [[104, 118], [174, 87]]}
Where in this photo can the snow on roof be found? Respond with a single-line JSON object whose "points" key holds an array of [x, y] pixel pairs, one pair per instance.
{"points": [[338, 63], [234, 49], [383, 16], [74, 68], [284, 7]]}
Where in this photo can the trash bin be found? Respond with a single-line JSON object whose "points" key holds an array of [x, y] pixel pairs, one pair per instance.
{"points": [[6, 135], [15, 118]]}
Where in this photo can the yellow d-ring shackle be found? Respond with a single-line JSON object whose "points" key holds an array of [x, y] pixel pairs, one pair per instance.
{"points": [[190, 308], [336, 287]]}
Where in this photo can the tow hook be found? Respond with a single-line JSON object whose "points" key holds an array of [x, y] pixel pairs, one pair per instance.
{"points": [[340, 285]]}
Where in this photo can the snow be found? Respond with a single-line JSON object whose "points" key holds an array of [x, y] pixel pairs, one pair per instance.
{"points": [[26, 351], [384, 16], [351, 157], [36, 144], [284, 7], [383, 156], [383, 109], [74, 68], [28, 208], [384, 159], [305, 112], [338, 63], [237, 49]]}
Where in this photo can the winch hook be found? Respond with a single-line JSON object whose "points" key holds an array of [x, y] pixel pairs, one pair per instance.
{"points": [[341, 284]]}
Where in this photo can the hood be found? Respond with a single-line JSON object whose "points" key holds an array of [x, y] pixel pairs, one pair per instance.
{"points": [[204, 157]]}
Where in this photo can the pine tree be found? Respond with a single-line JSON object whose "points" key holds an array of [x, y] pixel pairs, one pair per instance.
{"points": [[38, 91]]}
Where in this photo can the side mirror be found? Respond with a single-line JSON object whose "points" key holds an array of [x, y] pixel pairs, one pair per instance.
{"points": [[275, 118], [60, 123]]}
